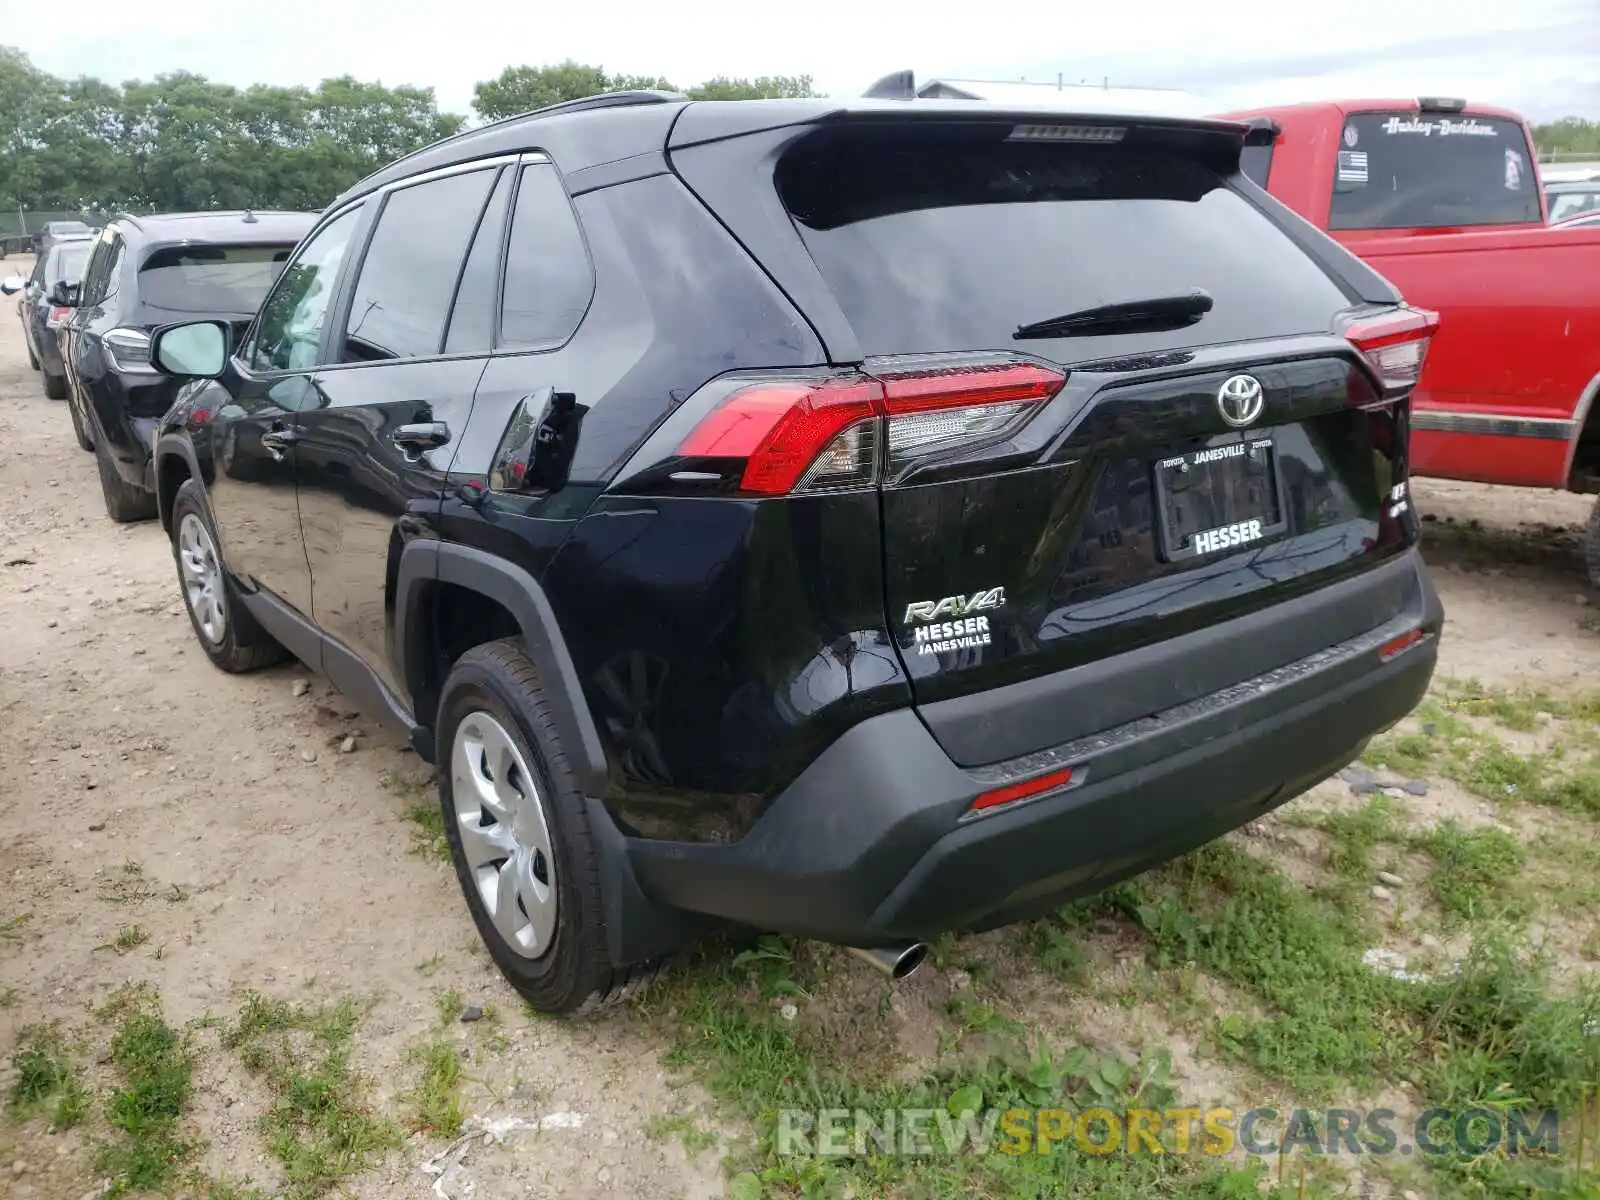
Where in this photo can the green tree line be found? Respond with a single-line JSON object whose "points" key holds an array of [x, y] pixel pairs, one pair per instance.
{"points": [[1570, 135], [181, 141]]}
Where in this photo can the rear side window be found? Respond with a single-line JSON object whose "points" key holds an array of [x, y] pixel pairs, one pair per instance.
{"points": [[1432, 171], [548, 277], [948, 238], [408, 276], [211, 279]]}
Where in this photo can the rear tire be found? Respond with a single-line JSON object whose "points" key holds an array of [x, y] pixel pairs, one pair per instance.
{"points": [[33, 359], [124, 502], [231, 638], [1591, 546], [77, 427], [55, 386], [501, 762]]}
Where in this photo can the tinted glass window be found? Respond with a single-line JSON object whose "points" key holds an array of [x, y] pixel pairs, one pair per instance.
{"points": [[548, 278], [211, 279], [950, 238], [94, 281], [113, 277], [472, 318], [411, 266], [1428, 171], [67, 263], [288, 333]]}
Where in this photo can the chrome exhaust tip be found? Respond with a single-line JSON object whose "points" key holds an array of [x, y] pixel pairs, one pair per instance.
{"points": [[898, 960]]}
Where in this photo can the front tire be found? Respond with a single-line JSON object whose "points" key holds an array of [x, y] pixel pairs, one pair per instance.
{"points": [[519, 834], [124, 502], [229, 635]]}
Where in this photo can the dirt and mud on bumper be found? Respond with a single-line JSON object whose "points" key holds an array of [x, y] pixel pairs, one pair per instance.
{"points": [[869, 843]]}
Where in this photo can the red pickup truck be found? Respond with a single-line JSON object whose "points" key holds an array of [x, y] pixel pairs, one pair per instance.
{"points": [[1444, 200]]}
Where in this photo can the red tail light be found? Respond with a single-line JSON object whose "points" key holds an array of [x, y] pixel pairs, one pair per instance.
{"points": [[861, 429], [55, 316], [1395, 344]]}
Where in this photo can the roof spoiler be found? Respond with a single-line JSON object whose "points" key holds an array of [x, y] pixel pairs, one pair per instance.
{"points": [[901, 85], [1260, 131]]}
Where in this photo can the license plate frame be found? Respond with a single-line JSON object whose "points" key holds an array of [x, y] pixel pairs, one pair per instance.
{"points": [[1217, 458]]}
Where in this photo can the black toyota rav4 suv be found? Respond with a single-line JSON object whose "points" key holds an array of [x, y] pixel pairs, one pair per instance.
{"points": [[857, 520]]}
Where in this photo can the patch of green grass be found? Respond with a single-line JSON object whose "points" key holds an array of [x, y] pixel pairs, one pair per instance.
{"points": [[129, 937], [1353, 834], [318, 1126], [685, 1128], [436, 1100], [155, 1065], [422, 810], [726, 1031], [1519, 710], [1476, 871], [44, 1075]]}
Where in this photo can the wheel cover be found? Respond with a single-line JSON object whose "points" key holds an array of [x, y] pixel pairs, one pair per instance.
{"points": [[201, 576], [505, 834]]}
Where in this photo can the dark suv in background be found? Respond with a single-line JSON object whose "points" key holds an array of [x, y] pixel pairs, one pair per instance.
{"points": [[146, 272], [45, 304], [858, 520]]}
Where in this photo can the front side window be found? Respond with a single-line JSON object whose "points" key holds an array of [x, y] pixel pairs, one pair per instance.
{"points": [[408, 277], [289, 331], [1432, 171]]}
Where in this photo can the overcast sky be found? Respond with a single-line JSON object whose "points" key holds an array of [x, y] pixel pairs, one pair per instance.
{"points": [[1541, 57]]}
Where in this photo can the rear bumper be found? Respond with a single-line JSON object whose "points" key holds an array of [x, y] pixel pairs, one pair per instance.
{"points": [[868, 844]]}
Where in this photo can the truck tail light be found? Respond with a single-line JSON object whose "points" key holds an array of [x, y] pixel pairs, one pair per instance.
{"points": [[56, 315], [1395, 344], [867, 427]]}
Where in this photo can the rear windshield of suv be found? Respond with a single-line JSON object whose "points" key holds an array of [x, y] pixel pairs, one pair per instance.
{"points": [[1432, 171], [211, 279], [942, 237]]}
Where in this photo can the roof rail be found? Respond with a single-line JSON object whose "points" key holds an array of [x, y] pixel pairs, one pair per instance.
{"points": [[901, 85], [600, 100]]}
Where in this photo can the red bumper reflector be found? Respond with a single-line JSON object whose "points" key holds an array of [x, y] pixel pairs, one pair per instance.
{"points": [[1399, 645], [1013, 792]]}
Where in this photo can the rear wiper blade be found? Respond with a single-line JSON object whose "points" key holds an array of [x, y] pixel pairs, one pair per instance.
{"points": [[1128, 316]]}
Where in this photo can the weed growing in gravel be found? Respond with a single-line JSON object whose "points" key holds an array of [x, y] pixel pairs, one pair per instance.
{"points": [[436, 1100], [44, 1076], [685, 1128], [318, 1125], [1475, 870], [422, 810], [156, 1067]]}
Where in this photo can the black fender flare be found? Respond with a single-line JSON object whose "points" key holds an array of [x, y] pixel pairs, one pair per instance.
{"points": [[171, 444], [424, 561]]}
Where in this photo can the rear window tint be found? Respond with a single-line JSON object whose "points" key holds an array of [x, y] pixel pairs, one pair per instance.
{"points": [[949, 239], [67, 263], [1431, 171], [211, 279]]}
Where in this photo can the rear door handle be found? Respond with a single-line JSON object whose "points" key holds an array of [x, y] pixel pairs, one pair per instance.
{"points": [[420, 437]]}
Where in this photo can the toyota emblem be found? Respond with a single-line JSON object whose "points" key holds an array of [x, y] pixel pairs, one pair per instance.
{"points": [[1240, 401]]}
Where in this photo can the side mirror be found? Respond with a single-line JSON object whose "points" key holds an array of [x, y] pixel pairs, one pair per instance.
{"points": [[63, 295], [198, 350], [12, 284]]}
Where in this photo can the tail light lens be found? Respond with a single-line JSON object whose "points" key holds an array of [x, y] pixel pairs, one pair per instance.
{"points": [[56, 315], [870, 427], [1395, 344], [128, 349]]}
